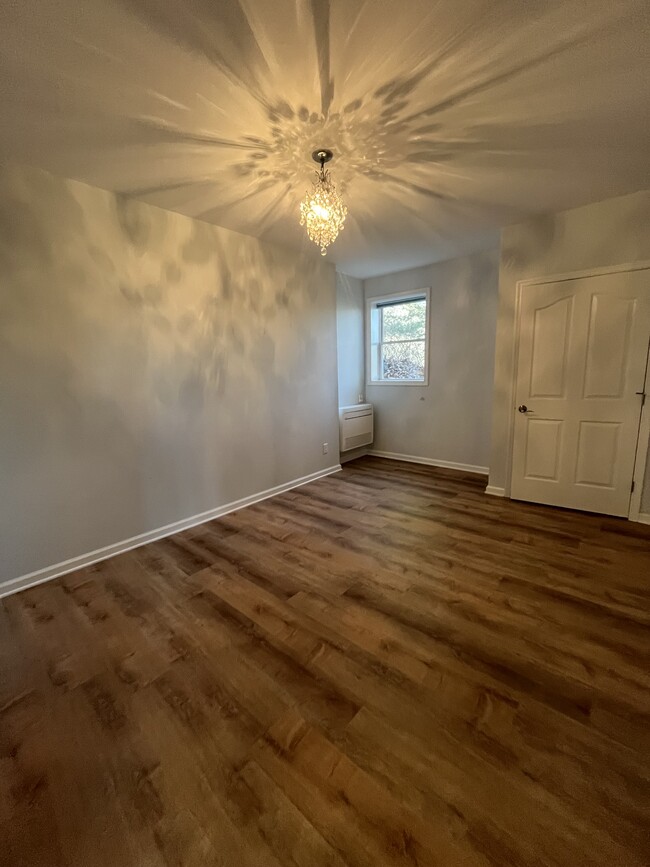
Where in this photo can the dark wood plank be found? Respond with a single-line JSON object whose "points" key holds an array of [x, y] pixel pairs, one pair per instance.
{"points": [[383, 667]]}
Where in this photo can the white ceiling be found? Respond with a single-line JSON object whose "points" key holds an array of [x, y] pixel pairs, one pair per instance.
{"points": [[449, 119]]}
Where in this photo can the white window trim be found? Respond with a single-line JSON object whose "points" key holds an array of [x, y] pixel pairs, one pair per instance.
{"points": [[371, 305]]}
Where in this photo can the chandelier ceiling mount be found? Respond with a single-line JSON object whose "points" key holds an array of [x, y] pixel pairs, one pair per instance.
{"points": [[322, 156]]}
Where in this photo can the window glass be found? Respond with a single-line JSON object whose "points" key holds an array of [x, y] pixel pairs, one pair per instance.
{"points": [[405, 321], [398, 339], [403, 360]]}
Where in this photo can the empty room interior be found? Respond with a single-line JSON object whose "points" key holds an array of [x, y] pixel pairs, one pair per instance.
{"points": [[324, 439]]}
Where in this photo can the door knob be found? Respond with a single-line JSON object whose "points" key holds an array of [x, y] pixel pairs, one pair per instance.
{"points": [[524, 408]]}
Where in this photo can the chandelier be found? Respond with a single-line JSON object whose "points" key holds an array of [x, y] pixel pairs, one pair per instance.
{"points": [[322, 210]]}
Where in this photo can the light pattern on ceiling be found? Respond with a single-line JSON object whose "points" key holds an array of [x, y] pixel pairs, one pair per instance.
{"points": [[449, 120]]}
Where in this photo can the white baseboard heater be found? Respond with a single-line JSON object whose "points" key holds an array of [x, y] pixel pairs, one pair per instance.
{"points": [[355, 426]]}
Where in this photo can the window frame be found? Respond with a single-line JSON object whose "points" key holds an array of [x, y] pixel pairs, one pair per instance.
{"points": [[373, 306]]}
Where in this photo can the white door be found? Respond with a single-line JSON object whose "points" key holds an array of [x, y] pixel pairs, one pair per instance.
{"points": [[583, 347]]}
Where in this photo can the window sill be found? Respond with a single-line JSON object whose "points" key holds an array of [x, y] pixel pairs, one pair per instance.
{"points": [[410, 382]]}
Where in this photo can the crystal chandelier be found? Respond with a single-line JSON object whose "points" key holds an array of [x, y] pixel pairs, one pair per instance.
{"points": [[322, 210]]}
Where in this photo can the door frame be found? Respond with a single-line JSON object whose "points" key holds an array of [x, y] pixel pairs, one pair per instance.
{"points": [[644, 423]]}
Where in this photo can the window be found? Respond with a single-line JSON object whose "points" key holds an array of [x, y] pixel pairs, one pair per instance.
{"points": [[398, 339]]}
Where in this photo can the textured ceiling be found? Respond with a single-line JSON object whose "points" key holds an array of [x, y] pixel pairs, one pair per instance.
{"points": [[448, 119]]}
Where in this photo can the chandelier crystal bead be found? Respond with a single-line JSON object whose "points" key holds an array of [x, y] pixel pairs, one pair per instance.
{"points": [[322, 211]]}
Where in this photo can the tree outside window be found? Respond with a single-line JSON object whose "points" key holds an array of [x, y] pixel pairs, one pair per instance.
{"points": [[398, 339]]}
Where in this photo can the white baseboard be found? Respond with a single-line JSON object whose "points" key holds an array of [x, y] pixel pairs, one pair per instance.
{"points": [[13, 585], [495, 491], [412, 459], [643, 518]]}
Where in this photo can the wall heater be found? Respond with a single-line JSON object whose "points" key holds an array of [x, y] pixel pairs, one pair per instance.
{"points": [[355, 426]]}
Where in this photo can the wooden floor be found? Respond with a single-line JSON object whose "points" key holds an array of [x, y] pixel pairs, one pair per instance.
{"points": [[385, 666]]}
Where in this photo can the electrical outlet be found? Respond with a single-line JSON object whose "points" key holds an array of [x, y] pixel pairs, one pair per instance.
{"points": [[326, 448], [360, 398]]}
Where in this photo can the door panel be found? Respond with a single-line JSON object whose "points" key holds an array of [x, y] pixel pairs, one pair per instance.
{"points": [[597, 453], [583, 346], [550, 328], [543, 449], [608, 347]]}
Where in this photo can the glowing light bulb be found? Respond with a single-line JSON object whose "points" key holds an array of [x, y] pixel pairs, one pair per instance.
{"points": [[320, 211]]}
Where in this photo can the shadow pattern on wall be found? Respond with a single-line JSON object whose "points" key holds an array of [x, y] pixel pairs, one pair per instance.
{"points": [[151, 367]]}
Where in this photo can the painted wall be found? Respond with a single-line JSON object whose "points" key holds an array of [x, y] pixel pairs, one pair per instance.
{"points": [[152, 367], [448, 420], [612, 232], [349, 335]]}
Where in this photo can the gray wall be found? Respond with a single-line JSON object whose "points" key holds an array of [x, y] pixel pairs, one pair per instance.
{"points": [[448, 420], [612, 232], [349, 335], [151, 367]]}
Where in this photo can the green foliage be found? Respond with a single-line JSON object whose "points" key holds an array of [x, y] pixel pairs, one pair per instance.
{"points": [[405, 321]]}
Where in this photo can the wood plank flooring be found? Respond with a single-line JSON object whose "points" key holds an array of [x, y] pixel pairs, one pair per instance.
{"points": [[383, 667]]}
